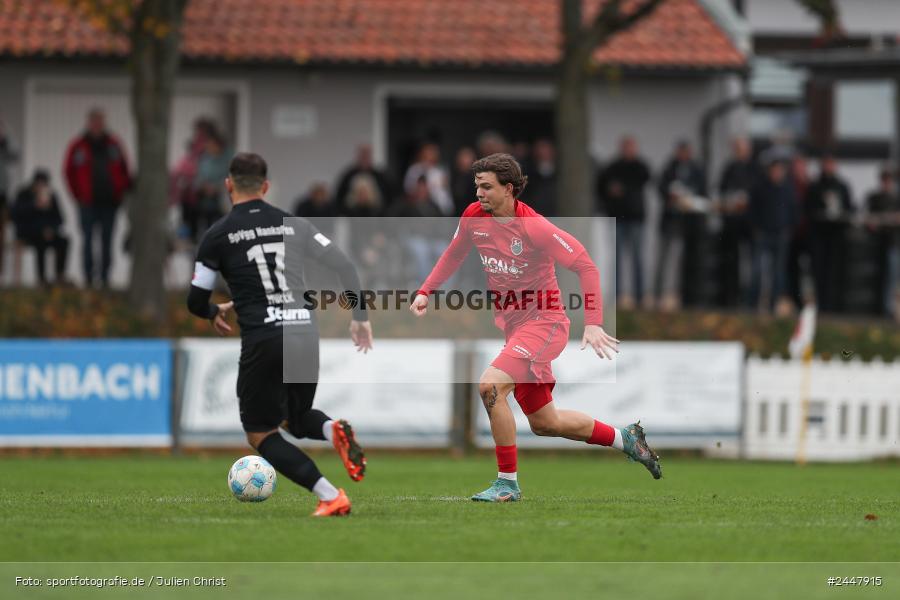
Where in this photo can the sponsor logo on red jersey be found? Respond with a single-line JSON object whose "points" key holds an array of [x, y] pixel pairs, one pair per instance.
{"points": [[563, 242], [498, 265]]}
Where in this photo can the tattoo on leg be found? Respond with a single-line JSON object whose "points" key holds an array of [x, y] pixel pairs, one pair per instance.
{"points": [[490, 399]]}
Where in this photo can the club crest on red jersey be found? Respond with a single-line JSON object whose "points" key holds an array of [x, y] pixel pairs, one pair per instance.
{"points": [[516, 246]]}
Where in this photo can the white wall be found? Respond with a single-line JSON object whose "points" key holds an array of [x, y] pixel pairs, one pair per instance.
{"points": [[338, 110], [349, 108], [342, 109], [55, 109]]}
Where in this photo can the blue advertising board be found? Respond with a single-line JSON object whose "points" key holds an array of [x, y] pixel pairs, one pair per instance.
{"points": [[85, 393]]}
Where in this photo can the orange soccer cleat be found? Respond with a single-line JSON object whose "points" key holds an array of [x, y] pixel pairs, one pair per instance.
{"points": [[338, 507], [351, 454]]}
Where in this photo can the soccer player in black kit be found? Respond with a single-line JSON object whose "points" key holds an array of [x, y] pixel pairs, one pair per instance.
{"points": [[247, 247]]}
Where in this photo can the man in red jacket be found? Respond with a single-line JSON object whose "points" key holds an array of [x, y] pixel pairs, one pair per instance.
{"points": [[519, 250], [97, 174]]}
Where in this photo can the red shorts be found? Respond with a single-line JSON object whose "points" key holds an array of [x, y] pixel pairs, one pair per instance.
{"points": [[526, 358]]}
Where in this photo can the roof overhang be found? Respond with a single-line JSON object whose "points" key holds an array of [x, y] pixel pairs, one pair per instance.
{"points": [[848, 63]]}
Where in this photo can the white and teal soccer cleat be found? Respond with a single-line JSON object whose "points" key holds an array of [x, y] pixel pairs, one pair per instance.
{"points": [[501, 490], [637, 449]]}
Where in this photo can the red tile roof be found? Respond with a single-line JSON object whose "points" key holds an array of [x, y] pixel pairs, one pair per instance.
{"points": [[466, 33]]}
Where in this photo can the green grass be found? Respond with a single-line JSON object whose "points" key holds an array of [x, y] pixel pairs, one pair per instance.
{"points": [[576, 508]]}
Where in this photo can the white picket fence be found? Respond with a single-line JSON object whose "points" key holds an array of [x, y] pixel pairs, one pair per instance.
{"points": [[854, 409]]}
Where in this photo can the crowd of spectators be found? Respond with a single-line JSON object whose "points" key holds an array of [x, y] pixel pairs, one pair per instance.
{"points": [[395, 249], [777, 236], [97, 176], [767, 232]]}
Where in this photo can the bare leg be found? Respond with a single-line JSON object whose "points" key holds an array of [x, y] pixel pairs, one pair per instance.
{"points": [[494, 388], [570, 424], [255, 438], [578, 426]]}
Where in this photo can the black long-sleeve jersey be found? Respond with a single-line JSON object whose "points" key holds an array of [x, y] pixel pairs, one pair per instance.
{"points": [[260, 255]]}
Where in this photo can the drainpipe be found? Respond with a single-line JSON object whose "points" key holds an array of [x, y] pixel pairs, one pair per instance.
{"points": [[731, 17], [709, 118], [895, 146]]}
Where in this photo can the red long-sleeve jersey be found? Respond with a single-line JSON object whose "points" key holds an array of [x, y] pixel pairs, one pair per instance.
{"points": [[518, 257]]}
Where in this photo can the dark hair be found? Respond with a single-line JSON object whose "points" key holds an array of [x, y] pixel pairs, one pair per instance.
{"points": [[213, 135], [206, 125], [247, 171], [40, 176], [506, 168]]}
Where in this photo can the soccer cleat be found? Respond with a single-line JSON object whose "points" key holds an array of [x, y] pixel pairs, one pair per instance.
{"points": [[351, 454], [338, 507], [501, 490], [636, 448]]}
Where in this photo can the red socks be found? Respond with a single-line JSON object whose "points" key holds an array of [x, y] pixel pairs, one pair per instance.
{"points": [[506, 458], [603, 434]]}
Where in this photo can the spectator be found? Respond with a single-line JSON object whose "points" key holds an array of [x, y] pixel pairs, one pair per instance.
{"points": [[681, 189], [428, 165], [8, 155], [462, 184], [423, 235], [38, 223], [620, 192], [739, 176], [540, 194], [883, 206], [362, 168], [521, 152], [209, 183], [490, 142], [829, 209], [97, 175], [183, 192], [781, 147], [368, 241], [318, 208], [462, 181], [772, 215], [799, 259]]}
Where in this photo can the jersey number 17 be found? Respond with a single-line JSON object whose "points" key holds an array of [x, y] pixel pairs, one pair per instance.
{"points": [[258, 254]]}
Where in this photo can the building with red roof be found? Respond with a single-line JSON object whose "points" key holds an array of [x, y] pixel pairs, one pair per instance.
{"points": [[304, 82]]}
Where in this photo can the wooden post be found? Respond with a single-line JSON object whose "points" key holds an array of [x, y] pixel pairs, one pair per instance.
{"points": [[461, 419]]}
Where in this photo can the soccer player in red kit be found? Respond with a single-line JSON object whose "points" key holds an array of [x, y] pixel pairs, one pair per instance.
{"points": [[518, 249]]}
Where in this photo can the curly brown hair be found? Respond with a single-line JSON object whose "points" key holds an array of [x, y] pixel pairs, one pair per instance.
{"points": [[506, 168]]}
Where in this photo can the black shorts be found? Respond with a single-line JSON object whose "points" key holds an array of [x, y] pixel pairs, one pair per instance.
{"points": [[265, 400]]}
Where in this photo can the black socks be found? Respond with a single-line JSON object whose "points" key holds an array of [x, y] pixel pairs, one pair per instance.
{"points": [[290, 460]]}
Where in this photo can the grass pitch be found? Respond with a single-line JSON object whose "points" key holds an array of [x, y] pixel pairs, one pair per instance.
{"points": [[576, 508]]}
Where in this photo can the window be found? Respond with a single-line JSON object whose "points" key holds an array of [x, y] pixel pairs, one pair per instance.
{"points": [[864, 110], [768, 120]]}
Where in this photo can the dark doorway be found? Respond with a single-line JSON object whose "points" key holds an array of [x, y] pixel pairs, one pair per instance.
{"points": [[453, 124]]}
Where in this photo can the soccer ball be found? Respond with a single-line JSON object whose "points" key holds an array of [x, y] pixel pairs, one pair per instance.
{"points": [[251, 479]]}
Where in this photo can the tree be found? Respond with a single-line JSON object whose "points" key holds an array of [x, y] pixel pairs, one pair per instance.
{"points": [[826, 11], [579, 42], [154, 30]]}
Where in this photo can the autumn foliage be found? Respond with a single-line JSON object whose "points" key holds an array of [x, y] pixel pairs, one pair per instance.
{"points": [[73, 313]]}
